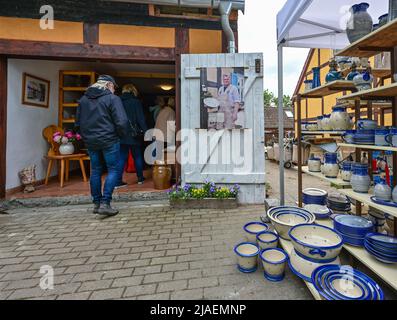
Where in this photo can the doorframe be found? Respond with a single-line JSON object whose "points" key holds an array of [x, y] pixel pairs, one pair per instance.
{"points": [[3, 124]]}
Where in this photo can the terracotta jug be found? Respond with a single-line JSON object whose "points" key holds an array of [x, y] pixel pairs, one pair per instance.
{"points": [[162, 174]]}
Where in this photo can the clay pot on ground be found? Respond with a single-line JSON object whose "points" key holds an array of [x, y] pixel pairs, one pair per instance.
{"points": [[162, 174]]}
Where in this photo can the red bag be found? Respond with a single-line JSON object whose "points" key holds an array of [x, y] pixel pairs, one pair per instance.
{"points": [[130, 167]]}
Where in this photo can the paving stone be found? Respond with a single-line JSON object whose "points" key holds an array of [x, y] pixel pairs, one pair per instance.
{"points": [[175, 285], [193, 294], [188, 274], [152, 254], [127, 281], [107, 294], [203, 282], [147, 270], [88, 276], [75, 296], [159, 296], [159, 277], [95, 285], [145, 289], [26, 293]]}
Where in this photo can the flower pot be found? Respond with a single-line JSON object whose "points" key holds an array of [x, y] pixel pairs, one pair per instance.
{"points": [[247, 257], [360, 23], [184, 204], [252, 229], [267, 240], [66, 149], [274, 262]]}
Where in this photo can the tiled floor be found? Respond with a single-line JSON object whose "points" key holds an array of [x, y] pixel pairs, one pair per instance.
{"points": [[76, 186]]}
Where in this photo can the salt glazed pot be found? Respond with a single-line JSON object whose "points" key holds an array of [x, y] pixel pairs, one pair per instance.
{"points": [[360, 23], [252, 229], [247, 257], [340, 119], [274, 262]]}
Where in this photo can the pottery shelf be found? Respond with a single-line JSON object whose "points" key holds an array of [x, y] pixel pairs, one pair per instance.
{"points": [[70, 105], [386, 272], [365, 198], [387, 92], [288, 247], [367, 147], [364, 104], [329, 89], [378, 73], [339, 183], [383, 39]]}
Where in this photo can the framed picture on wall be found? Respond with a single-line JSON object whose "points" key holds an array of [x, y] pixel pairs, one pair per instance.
{"points": [[35, 91]]}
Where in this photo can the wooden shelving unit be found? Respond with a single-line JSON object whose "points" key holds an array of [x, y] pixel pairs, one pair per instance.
{"points": [[72, 85], [385, 96], [317, 133], [338, 182], [367, 147]]}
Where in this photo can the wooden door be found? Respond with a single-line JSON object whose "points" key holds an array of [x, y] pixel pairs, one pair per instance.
{"points": [[210, 148]]}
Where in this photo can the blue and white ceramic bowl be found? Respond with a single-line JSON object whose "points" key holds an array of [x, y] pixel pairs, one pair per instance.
{"points": [[321, 212], [335, 282], [353, 226], [247, 257], [353, 241], [316, 243], [314, 196], [382, 240], [284, 218]]}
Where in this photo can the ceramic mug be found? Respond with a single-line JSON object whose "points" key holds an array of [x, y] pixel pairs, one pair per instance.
{"points": [[367, 124], [381, 137]]}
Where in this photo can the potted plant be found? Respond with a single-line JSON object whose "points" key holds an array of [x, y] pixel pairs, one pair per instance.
{"points": [[66, 141], [209, 196]]}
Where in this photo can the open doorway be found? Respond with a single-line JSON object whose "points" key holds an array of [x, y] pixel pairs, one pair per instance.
{"points": [[25, 123]]}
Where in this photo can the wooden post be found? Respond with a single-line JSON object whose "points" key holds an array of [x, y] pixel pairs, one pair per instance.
{"points": [[357, 111], [370, 116], [299, 130], [3, 124], [394, 111], [182, 47]]}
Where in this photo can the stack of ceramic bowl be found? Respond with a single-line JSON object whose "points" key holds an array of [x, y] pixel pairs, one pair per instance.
{"points": [[365, 137], [378, 218], [284, 218], [338, 204], [314, 246], [321, 212], [353, 229], [315, 196], [382, 247], [345, 283]]}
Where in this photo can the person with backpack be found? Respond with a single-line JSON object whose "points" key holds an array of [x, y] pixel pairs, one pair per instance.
{"points": [[102, 123], [133, 141]]}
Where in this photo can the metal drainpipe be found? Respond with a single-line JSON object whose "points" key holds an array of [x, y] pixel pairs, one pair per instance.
{"points": [[225, 9]]}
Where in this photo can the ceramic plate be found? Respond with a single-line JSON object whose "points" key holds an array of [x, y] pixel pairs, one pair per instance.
{"points": [[382, 239], [211, 103], [384, 203]]}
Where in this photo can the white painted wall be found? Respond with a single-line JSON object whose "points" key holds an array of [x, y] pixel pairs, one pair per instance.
{"points": [[25, 143]]}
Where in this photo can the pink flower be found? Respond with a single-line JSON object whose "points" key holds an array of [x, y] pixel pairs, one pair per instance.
{"points": [[64, 140], [56, 134], [69, 134], [78, 137], [57, 139]]}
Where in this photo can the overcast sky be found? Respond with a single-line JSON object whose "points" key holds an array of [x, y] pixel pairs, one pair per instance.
{"points": [[257, 33]]}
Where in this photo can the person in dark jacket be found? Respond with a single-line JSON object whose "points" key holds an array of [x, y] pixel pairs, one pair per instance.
{"points": [[102, 122], [134, 110]]}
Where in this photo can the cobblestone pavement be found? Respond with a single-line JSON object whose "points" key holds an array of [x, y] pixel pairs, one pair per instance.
{"points": [[146, 252]]}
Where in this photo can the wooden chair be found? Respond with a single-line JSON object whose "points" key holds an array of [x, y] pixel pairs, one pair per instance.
{"points": [[64, 160]]}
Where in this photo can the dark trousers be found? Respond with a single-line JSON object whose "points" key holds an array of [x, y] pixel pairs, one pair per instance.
{"points": [[137, 154], [100, 159]]}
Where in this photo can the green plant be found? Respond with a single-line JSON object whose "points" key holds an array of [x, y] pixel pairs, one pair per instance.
{"points": [[208, 190]]}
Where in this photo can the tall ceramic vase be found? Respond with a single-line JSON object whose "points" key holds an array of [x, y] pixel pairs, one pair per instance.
{"points": [[360, 23]]}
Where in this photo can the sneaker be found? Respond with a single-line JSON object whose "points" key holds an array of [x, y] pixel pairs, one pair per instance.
{"points": [[96, 208], [121, 185], [141, 181], [106, 210]]}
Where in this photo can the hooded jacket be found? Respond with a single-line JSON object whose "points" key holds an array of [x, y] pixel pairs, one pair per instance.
{"points": [[134, 110], [101, 119]]}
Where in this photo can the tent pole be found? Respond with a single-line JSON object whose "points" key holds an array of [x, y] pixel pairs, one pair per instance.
{"points": [[281, 122]]}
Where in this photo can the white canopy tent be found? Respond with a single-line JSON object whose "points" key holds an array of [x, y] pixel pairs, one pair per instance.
{"points": [[313, 24]]}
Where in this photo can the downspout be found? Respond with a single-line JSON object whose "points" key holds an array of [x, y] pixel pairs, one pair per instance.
{"points": [[225, 8]]}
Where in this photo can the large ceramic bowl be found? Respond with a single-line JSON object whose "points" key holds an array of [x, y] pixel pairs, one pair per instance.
{"points": [[304, 268], [316, 243], [284, 218], [321, 212], [315, 196], [353, 225], [247, 257]]}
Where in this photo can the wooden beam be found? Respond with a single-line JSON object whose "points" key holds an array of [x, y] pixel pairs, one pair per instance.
{"points": [[145, 75], [3, 124], [67, 51], [181, 47], [91, 33]]}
